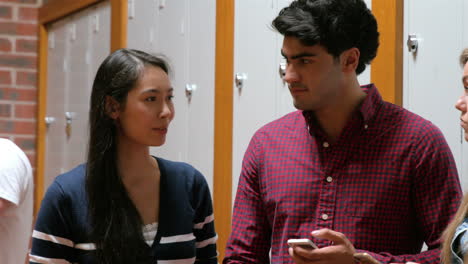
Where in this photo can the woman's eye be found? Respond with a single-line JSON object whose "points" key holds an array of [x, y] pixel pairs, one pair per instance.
{"points": [[151, 99]]}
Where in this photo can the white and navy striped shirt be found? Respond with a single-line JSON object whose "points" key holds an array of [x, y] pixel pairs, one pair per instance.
{"points": [[185, 232]]}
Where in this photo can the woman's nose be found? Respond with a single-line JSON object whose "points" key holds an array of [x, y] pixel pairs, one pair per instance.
{"points": [[166, 111]]}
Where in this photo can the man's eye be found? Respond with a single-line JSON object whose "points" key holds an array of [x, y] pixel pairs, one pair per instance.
{"points": [[305, 61]]}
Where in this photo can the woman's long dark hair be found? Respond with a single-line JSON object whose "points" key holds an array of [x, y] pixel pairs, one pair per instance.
{"points": [[115, 224]]}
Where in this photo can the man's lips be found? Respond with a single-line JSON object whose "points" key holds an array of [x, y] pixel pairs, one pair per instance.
{"points": [[297, 88]]}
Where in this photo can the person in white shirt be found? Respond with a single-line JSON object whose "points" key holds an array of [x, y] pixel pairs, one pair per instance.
{"points": [[16, 203]]}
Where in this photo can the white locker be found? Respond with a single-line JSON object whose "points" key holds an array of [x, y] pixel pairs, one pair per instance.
{"points": [[256, 61], [432, 75], [99, 38], [55, 137], [141, 23], [201, 41], [76, 90], [77, 46]]}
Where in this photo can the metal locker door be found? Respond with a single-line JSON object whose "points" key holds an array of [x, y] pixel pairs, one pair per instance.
{"points": [[55, 135], [171, 40], [77, 90], [99, 40], [201, 39], [141, 17], [256, 72], [431, 71]]}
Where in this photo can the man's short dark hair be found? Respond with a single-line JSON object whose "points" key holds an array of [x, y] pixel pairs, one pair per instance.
{"points": [[337, 25]]}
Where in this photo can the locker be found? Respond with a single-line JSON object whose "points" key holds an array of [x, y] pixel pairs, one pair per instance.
{"points": [[77, 46], [432, 75]]}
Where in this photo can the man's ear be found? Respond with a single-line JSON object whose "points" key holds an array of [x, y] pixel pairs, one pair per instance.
{"points": [[350, 59], [112, 107]]}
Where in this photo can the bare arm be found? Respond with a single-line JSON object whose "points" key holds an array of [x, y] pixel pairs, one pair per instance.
{"points": [[5, 205]]}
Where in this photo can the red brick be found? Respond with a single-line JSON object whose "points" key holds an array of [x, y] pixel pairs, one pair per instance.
{"points": [[28, 13], [26, 78], [17, 127], [25, 111], [5, 45], [26, 45], [5, 110], [21, 29], [25, 143], [6, 12], [26, 95], [18, 61], [5, 77]]}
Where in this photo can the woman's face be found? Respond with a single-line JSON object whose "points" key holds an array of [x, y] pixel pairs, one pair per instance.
{"points": [[463, 102], [148, 111]]}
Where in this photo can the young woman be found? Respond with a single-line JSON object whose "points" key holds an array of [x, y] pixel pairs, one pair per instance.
{"points": [[124, 205], [455, 237]]}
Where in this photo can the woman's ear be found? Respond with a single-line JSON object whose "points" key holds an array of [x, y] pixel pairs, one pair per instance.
{"points": [[112, 107]]}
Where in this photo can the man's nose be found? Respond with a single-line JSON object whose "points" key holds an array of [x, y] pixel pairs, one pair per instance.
{"points": [[291, 76], [461, 103]]}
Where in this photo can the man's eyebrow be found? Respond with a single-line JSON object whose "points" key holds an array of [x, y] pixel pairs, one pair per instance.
{"points": [[300, 55]]}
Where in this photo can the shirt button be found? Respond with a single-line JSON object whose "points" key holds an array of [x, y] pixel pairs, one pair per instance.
{"points": [[366, 126], [326, 145], [324, 216], [329, 179]]}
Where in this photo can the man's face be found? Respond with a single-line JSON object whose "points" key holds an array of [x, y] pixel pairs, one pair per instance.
{"points": [[313, 75], [462, 102]]}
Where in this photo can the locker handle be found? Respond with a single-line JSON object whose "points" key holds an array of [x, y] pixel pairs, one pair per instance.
{"points": [[189, 89], [69, 116], [282, 70], [412, 43], [240, 79], [49, 120]]}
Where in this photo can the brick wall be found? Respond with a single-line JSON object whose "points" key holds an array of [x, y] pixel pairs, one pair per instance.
{"points": [[18, 69]]}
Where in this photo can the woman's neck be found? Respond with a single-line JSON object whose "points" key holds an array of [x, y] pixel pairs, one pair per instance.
{"points": [[135, 164]]}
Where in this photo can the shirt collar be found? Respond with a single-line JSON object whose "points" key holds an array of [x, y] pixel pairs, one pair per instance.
{"points": [[367, 109]]}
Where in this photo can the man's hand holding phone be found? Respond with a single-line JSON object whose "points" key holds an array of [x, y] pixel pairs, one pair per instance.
{"points": [[301, 242], [339, 251]]}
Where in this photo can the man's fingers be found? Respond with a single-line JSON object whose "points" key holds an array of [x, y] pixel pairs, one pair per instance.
{"points": [[336, 237]]}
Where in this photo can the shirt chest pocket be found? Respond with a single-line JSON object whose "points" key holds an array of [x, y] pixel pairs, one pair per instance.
{"points": [[375, 190]]}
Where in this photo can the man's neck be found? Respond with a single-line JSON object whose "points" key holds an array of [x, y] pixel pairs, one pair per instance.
{"points": [[334, 117]]}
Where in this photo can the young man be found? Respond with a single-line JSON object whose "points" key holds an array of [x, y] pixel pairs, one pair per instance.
{"points": [[349, 171]]}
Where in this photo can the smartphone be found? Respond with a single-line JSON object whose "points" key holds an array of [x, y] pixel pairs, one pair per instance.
{"points": [[301, 242], [365, 258]]}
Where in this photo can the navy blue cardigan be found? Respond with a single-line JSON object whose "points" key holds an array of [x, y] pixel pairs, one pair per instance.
{"points": [[185, 229]]}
